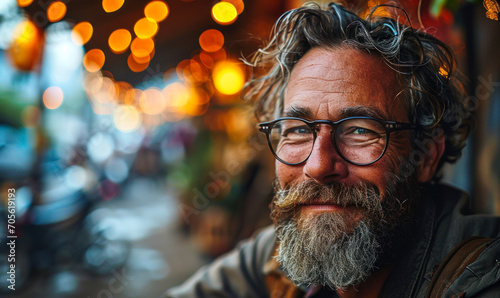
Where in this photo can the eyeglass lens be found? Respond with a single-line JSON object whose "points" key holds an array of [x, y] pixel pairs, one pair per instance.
{"points": [[360, 141]]}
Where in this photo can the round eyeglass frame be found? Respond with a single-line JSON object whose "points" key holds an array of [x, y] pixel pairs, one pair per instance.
{"points": [[388, 125]]}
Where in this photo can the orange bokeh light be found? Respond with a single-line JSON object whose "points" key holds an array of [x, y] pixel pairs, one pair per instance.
{"points": [[211, 40], [156, 10], [24, 3], [26, 47], [198, 71], [238, 4], [224, 13], [209, 59], [94, 60], [112, 5], [145, 59], [81, 33], [136, 66], [142, 48], [56, 11], [145, 28], [119, 40], [52, 97]]}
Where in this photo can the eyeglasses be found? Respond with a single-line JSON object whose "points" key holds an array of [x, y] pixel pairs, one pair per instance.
{"points": [[358, 140]]}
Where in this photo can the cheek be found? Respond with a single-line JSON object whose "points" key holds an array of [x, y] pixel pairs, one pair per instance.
{"points": [[287, 174]]}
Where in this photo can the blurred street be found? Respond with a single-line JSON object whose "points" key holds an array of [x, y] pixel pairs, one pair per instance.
{"points": [[161, 254]]}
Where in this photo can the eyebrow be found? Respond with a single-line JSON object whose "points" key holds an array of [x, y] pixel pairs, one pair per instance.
{"points": [[362, 111], [306, 113], [299, 112]]}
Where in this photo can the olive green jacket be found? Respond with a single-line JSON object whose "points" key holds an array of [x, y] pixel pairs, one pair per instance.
{"points": [[443, 221]]}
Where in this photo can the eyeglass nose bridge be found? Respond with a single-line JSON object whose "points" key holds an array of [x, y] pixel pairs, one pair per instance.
{"points": [[316, 126]]}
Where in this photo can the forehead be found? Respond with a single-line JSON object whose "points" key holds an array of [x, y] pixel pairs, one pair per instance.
{"points": [[326, 83]]}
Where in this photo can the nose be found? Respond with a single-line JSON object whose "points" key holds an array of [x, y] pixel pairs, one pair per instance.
{"points": [[324, 164]]}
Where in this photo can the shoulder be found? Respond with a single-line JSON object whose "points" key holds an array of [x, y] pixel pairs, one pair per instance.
{"points": [[238, 273], [481, 278], [455, 220]]}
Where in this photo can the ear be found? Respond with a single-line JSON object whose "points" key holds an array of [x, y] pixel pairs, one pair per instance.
{"points": [[433, 150]]}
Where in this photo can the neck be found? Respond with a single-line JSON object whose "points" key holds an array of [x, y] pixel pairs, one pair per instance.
{"points": [[370, 288]]}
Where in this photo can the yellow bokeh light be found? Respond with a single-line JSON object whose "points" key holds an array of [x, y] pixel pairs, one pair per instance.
{"points": [[152, 101], [238, 4], [52, 97], [81, 33], [112, 5], [136, 66], [211, 40], [228, 77], [224, 13], [56, 11], [126, 118], [142, 48], [176, 94], [94, 60], [145, 28], [119, 40], [156, 10], [24, 3]]}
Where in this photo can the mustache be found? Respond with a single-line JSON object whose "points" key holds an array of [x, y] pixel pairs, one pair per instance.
{"points": [[309, 191]]}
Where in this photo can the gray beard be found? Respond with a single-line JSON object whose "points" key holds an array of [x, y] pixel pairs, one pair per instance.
{"points": [[323, 250]]}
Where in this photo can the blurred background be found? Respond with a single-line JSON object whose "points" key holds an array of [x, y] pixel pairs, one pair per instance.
{"points": [[134, 160]]}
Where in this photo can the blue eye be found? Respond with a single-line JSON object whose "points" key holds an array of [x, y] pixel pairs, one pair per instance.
{"points": [[361, 131], [302, 130]]}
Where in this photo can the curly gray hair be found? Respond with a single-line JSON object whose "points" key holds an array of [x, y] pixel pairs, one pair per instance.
{"points": [[434, 95]]}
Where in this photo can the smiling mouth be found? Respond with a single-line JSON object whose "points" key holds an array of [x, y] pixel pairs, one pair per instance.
{"points": [[326, 207]]}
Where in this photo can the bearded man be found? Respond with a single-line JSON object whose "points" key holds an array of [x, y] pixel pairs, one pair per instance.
{"points": [[360, 115]]}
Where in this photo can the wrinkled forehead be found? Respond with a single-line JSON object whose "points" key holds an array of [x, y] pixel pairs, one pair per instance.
{"points": [[327, 81]]}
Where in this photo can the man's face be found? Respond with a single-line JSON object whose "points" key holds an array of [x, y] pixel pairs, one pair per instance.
{"points": [[336, 220], [334, 84]]}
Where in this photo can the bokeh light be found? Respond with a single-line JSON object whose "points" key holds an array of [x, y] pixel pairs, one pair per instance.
{"points": [[94, 60], [81, 33], [125, 93], [228, 77], [136, 66], [112, 5], [26, 46], [224, 13], [198, 71], [52, 97], [24, 3], [238, 4], [119, 40], [177, 96], [211, 40], [145, 28], [126, 118], [56, 11], [142, 48], [152, 101], [156, 10], [209, 59]]}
